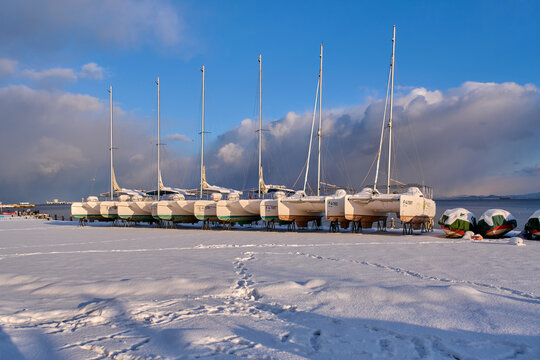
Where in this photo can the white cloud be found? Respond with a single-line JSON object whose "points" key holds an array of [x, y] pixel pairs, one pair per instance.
{"points": [[136, 159], [478, 138], [59, 141], [465, 140], [7, 66], [52, 156], [54, 24], [230, 153], [429, 97], [91, 71], [62, 74], [178, 137]]}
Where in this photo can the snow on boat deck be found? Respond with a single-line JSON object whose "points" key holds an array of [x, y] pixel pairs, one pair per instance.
{"points": [[72, 292]]}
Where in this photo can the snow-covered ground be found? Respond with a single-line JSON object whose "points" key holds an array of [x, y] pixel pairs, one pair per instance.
{"points": [[69, 292]]}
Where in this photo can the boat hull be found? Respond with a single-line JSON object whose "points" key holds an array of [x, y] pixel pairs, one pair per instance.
{"points": [[452, 233], [269, 211], [87, 211], [496, 223], [412, 209], [334, 208], [532, 227], [109, 210], [239, 211], [301, 210], [139, 211], [499, 231], [177, 211], [206, 210]]}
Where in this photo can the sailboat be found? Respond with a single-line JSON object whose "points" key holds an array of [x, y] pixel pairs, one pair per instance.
{"points": [[205, 210], [92, 208], [415, 210], [334, 208], [109, 208], [139, 208], [87, 210], [173, 207], [300, 207], [246, 211]]}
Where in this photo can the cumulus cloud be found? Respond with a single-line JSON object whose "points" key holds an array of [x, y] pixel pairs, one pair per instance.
{"points": [[230, 153], [7, 66], [462, 141], [136, 159], [92, 71], [478, 138], [58, 143], [62, 74], [55, 24], [178, 137]]}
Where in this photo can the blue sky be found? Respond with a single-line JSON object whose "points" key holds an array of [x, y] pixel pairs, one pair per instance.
{"points": [[440, 45]]}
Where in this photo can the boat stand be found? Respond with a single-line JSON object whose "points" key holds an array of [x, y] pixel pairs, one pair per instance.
{"points": [[356, 226], [334, 226], [270, 225], [291, 226], [381, 225], [206, 225], [227, 225], [427, 226], [407, 228]]}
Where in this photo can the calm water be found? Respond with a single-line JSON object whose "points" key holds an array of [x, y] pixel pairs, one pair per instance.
{"points": [[58, 210], [521, 209]]}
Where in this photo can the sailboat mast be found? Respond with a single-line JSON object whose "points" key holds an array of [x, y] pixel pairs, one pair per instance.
{"points": [[391, 108], [202, 134], [111, 132], [260, 123], [311, 134], [158, 144], [320, 126], [382, 131]]}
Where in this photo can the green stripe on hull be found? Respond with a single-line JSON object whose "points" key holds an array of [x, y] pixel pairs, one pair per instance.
{"points": [[207, 218], [179, 218], [90, 217], [143, 218], [275, 219], [241, 219]]}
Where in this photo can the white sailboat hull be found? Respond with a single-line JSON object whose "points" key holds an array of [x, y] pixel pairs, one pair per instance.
{"points": [[269, 210], [135, 211], [367, 208], [205, 210], [334, 208], [87, 211], [178, 211], [109, 209], [239, 211], [301, 210]]}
